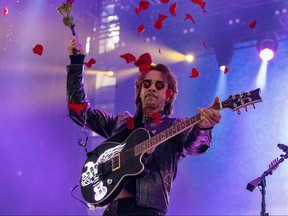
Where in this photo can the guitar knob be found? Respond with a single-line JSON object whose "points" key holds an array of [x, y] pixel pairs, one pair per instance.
{"points": [[246, 108], [253, 106], [109, 181], [238, 112]]}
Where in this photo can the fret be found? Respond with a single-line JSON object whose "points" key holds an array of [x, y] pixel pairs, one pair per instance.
{"points": [[164, 135]]}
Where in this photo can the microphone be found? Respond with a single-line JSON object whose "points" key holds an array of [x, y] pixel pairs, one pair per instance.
{"points": [[283, 147]]}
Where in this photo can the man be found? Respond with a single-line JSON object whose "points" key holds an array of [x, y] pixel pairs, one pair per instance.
{"points": [[155, 95]]}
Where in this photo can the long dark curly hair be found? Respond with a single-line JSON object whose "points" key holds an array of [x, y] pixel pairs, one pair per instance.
{"points": [[172, 84]]}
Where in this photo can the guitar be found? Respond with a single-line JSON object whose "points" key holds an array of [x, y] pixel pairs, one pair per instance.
{"points": [[111, 164]]}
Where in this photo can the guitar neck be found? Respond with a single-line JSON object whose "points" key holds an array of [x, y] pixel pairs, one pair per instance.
{"points": [[169, 133]]}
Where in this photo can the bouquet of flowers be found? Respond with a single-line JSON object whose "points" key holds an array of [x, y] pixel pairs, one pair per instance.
{"points": [[65, 9]]}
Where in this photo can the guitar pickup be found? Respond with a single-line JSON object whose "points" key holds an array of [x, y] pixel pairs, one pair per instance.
{"points": [[115, 162]]}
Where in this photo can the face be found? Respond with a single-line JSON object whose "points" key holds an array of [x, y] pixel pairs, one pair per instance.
{"points": [[153, 91]]}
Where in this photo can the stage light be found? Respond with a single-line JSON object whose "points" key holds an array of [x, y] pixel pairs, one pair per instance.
{"points": [[266, 46], [189, 58], [266, 54]]}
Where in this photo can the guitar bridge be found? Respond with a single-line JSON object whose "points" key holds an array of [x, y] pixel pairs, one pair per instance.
{"points": [[116, 162]]}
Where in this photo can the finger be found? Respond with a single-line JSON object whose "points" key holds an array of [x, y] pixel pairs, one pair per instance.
{"points": [[206, 117], [215, 102]]}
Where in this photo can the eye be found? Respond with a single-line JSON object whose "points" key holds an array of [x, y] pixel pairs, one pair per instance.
{"points": [[160, 85], [146, 83]]}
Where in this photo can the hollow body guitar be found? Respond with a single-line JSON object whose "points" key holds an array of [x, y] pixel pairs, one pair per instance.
{"points": [[110, 165]]}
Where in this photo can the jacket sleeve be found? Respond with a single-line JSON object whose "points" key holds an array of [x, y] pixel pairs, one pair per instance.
{"points": [[99, 121], [194, 141]]}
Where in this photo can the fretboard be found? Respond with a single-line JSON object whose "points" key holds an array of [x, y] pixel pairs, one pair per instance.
{"points": [[169, 133]]}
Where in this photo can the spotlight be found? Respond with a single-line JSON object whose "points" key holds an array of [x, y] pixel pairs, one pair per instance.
{"points": [[189, 58], [266, 46]]}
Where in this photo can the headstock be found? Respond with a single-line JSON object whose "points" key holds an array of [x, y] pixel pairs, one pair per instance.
{"points": [[237, 101]]}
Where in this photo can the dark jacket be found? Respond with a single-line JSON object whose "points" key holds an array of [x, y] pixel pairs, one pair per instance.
{"points": [[152, 190]]}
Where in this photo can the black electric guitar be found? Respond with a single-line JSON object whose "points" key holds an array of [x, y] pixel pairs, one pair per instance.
{"points": [[109, 168]]}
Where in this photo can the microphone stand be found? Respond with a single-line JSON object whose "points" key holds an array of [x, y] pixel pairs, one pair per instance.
{"points": [[261, 181]]}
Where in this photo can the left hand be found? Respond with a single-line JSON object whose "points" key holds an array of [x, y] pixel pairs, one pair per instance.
{"points": [[209, 116]]}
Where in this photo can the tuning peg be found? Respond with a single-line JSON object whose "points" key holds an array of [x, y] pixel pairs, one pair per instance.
{"points": [[238, 112]]}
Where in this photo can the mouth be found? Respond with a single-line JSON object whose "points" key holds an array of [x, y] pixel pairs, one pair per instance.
{"points": [[150, 95]]}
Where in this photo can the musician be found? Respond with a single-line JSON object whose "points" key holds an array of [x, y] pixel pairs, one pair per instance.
{"points": [[155, 95]]}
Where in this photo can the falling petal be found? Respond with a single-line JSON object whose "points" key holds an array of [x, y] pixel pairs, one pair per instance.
{"points": [[164, 1], [194, 74], [204, 43], [226, 70], [252, 24], [201, 4], [143, 59], [38, 49], [90, 63], [168, 93], [189, 16], [137, 11], [129, 58], [161, 17], [140, 29], [77, 107], [5, 11], [156, 117], [144, 5], [144, 68], [158, 24], [172, 9], [130, 123]]}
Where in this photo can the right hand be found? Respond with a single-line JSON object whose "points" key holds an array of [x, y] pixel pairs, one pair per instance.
{"points": [[75, 44]]}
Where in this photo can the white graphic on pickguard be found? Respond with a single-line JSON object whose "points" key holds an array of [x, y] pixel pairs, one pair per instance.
{"points": [[91, 175]]}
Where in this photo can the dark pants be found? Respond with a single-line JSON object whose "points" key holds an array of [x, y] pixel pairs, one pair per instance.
{"points": [[127, 207]]}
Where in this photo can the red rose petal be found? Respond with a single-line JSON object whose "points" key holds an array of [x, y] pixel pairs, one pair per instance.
{"points": [[129, 58], [145, 68], [5, 11], [226, 70], [90, 63], [77, 107], [137, 11], [70, 1], [143, 59], [201, 4], [38, 49], [194, 74], [164, 1], [172, 9], [140, 29], [156, 117], [158, 24], [204, 43], [252, 24], [168, 93], [189, 16], [130, 123], [144, 5], [161, 17]]}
